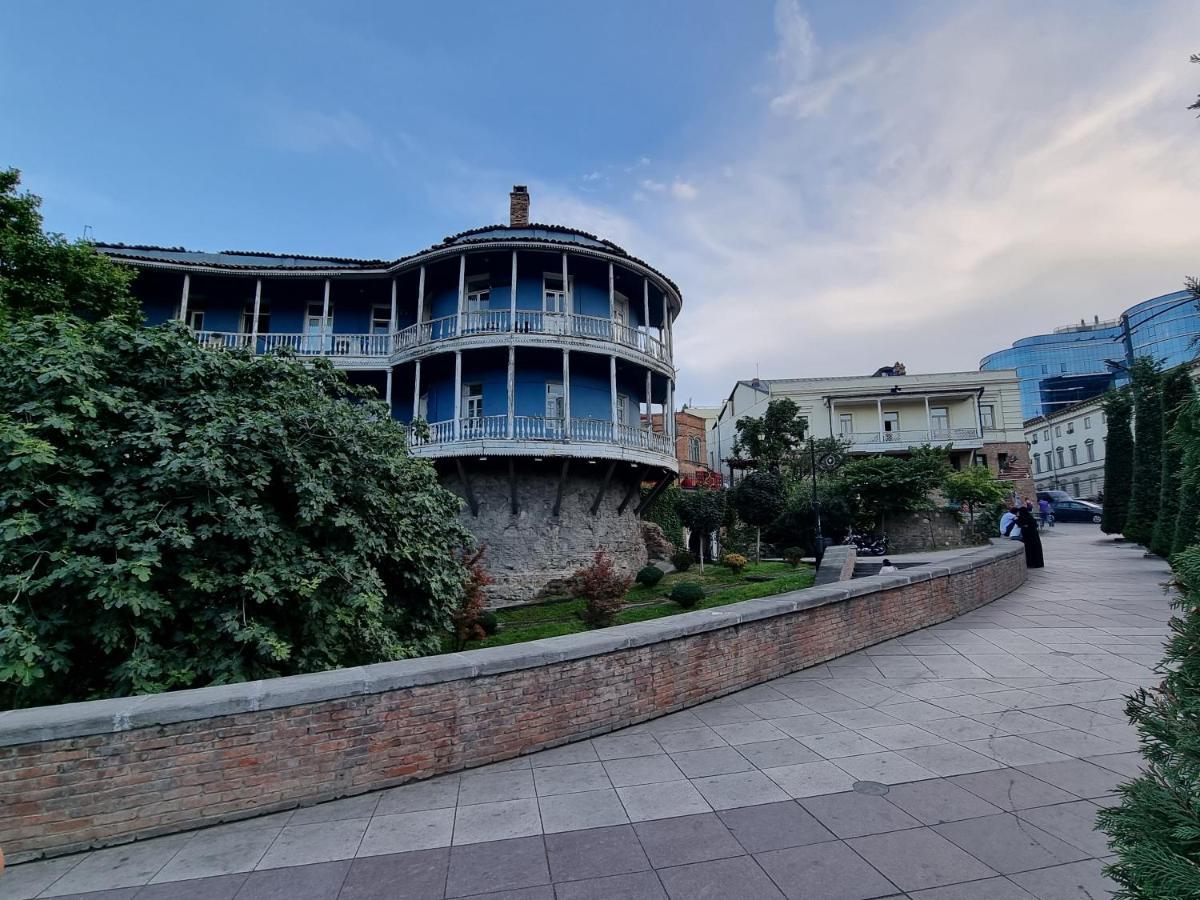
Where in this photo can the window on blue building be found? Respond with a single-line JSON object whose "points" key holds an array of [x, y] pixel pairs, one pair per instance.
{"points": [[473, 401], [381, 318]]}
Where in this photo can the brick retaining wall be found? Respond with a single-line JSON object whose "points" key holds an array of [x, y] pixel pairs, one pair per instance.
{"points": [[83, 775]]}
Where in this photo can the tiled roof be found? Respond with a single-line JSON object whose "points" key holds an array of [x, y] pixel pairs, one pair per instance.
{"points": [[553, 235]]}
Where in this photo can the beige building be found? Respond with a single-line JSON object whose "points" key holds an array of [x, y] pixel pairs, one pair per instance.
{"points": [[978, 414]]}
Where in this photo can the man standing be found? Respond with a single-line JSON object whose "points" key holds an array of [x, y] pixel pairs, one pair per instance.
{"points": [[1044, 512]]}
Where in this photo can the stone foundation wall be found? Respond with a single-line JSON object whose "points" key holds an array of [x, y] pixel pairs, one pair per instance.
{"points": [[937, 529], [84, 775], [533, 549]]}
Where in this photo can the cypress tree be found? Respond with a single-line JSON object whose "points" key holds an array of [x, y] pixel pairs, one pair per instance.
{"points": [[1187, 519], [1118, 462], [1176, 391], [1155, 831], [1147, 451]]}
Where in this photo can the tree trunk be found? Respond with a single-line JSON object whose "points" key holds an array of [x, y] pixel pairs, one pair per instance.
{"points": [[702, 540], [758, 545]]}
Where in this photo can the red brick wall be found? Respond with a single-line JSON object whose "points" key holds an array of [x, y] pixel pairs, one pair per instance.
{"points": [[70, 794]]}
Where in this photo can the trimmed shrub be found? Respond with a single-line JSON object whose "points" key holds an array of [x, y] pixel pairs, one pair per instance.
{"points": [[1155, 829], [682, 561], [687, 594], [489, 623], [793, 555], [467, 616], [603, 589], [649, 576], [734, 561]]}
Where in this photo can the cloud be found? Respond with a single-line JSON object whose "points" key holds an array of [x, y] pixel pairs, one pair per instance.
{"points": [[933, 193]]}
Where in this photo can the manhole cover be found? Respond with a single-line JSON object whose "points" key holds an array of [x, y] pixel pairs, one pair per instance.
{"points": [[874, 788]]}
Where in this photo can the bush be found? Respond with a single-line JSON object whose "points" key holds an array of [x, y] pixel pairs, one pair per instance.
{"points": [[489, 623], [468, 615], [682, 561], [793, 555], [687, 594], [734, 561], [649, 576], [603, 589], [176, 517], [1155, 829]]}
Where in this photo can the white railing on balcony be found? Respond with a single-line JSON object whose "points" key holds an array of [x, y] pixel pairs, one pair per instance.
{"points": [[912, 437], [539, 428], [490, 321], [485, 321]]}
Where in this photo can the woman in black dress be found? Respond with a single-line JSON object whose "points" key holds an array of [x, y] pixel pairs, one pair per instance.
{"points": [[1031, 538]]}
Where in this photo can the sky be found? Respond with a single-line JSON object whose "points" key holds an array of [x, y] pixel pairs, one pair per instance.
{"points": [[833, 185]]}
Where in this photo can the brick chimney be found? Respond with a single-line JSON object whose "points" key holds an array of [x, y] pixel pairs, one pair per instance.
{"points": [[518, 205]]}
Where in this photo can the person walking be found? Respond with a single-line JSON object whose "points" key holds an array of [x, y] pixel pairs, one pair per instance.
{"points": [[1044, 513], [1031, 539]]}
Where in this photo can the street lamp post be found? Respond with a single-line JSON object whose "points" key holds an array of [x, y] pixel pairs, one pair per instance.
{"points": [[816, 505]]}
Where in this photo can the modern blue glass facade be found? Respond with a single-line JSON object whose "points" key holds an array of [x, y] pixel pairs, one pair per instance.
{"points": [[1082, 361]]}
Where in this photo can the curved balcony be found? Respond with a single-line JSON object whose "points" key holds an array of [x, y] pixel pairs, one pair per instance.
{"points": [[532, 435], [496, 323]]}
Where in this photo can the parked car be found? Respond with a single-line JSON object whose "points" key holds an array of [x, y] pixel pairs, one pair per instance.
{"points": [[1077, 511]]}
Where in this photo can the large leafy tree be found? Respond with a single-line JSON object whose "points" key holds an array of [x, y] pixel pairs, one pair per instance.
{"points": [[1118, 461], [1155, 830], [884, 485], [774, 441], [172, 517], [1147, 450], [1177, 391], [45, 273], [759, 500]]}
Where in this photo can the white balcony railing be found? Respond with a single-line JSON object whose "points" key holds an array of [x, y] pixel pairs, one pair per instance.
{"points": [[490, 321], [913, 437], [538, 428]]}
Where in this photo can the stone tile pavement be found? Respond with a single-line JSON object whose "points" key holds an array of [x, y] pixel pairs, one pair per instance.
{"points": [[963, 761]]}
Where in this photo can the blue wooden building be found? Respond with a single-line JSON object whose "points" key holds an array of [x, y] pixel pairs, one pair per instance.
{"points": [[529, 359]]}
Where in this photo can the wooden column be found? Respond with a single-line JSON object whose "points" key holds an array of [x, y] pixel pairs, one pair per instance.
{"points": [[257, 307], [879, 409], [393, 318], [612, 301], [646, 311], [417, 391], [570, 302], [666, 326], [325, 317], [462, 290], [388, 391], [566, 389], [512, 298], [183, 300], [928, 418], [420, 302], [669, 415], [649, 407], [612, 388], [457, 392], [512, 388]]}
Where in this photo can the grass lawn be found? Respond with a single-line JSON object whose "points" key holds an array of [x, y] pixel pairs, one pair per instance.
{"points": [[721, 586]]}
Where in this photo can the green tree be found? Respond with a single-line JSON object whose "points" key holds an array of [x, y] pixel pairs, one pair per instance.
{"points": [[45, 273], [888, 484], [1147, 450], [775, 441], [975, 486], [1155, 830], [1186, 434], [664, 512], [702, 512], [759, 500], [1177, 391], [174, 517], [1118, 461], [796, 526]]}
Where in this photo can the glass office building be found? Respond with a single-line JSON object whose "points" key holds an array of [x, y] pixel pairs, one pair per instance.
{"points": [[1077, 362]]}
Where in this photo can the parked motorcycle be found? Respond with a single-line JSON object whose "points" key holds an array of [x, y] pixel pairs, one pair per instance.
{"points": [[866, 545]]}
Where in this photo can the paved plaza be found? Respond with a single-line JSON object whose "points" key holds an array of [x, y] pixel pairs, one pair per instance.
{"points": [[962, 762]]}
